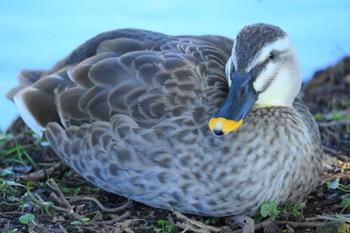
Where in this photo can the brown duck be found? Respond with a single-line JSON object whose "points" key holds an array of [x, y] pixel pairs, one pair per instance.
{"points": [[138, 113]]}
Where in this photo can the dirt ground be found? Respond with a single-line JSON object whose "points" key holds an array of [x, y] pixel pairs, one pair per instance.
{"points": [[38, 193]]}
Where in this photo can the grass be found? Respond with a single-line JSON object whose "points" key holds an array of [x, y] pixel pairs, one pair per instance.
{"points": [[16, 154], [10, 193]]}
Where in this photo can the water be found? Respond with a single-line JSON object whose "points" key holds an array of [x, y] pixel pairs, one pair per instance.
{"points": [[36, 34]]}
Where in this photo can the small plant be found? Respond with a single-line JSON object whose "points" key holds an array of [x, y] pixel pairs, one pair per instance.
{"points": [[26, 218], [7, 172], [345, 198], [212, 221], [86, 219], [9, 193], [77, 224], [345, 202], [9, 187], [269, 209], [74, 190], [164, 226], [337, 185], [293, 208]]}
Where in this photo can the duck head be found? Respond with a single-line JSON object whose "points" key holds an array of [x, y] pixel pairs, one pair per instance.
{"points": [[262, 71]]}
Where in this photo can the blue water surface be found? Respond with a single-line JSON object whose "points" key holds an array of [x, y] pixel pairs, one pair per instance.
{"points": [[34, 34]]}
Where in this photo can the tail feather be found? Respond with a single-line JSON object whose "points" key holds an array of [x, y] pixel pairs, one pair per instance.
{"points": [[36, 102], [25, 78]]}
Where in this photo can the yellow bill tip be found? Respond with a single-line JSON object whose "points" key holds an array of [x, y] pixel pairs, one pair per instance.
{"points": [[224, 125]]}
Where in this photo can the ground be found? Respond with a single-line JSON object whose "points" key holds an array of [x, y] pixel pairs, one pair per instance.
{"points": [[39, 193]]}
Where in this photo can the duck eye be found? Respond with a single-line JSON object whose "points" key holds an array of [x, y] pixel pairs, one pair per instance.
{"points": [[272, 55]]}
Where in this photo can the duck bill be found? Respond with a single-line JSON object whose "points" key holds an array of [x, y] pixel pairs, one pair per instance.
{"points": [[240, 99]]}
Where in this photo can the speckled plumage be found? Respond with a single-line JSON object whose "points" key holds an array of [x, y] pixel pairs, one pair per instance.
{"points": [[134, 108]]}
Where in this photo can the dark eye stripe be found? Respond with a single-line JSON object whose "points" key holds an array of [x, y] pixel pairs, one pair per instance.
{"points": [[258, 70], [270, 81]]}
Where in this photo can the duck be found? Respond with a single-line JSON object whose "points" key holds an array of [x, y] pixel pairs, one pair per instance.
{"points": [[203, 125]]}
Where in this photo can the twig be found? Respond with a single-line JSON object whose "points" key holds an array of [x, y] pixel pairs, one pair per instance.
{"points": [[60, 193], [57, 199], [334, 123], [265, 223], [63, 201], [238, 231], [98, 203], [123, 226], [335, 176], [193, 224], [41, 174], [325, 202], [10, 214], [62, 228], [299, 224], [68, 209], [332, 217], [110, 222], [259, 225], [336, 153], [330, 150]]}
